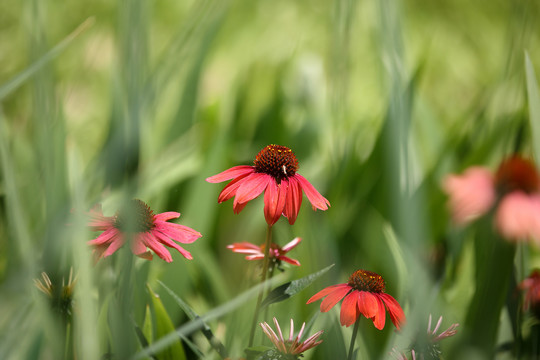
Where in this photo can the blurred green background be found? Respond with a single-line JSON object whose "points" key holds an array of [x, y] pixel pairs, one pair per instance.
{"points": [[106, 100]]}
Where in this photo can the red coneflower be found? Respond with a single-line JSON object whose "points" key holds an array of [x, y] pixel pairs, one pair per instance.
{"points": [[143, 228], [514, 188], [276, 253], [362, 294], [293, 346], [274, 173]]}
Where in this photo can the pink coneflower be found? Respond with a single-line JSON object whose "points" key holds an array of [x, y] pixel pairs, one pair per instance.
{"points": [[144, 228], [274, 173], [363, 294], [514, 189], [277, 253], [531, 286], [292, 346]]}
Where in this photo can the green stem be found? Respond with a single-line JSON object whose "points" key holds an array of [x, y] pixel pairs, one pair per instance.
{"points": [[263, 279], [353, 338]]}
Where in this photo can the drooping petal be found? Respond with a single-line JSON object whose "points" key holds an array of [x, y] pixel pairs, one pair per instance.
{"points": [[252, 186], [380, 316], [231, 173], [180, 233], [367, 304], [326, 291], [99, 222], [116, 244], [167, 216], [106, 237], [292, 244], [274, 200], [245, 248], [333, 298], [289, 260], [294, 200], [230, 189], [151, 241], [470, 195], [137, 246], [315, 198], [165, 240], [396, 312], [518, 216], [349, 310]]}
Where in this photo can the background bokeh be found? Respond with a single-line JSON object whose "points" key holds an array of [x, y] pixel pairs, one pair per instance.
{"points": [[106, 100]]}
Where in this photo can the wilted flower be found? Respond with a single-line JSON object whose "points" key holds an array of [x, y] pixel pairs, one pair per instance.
{"points": [[531, 286], [274, 173], [144, 229], [363, 294], [276, 253], [514, 188], [61, 298], [292, 347]]}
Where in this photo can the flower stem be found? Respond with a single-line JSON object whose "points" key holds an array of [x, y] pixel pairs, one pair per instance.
{"points": [[353, 339], [263, 279]]}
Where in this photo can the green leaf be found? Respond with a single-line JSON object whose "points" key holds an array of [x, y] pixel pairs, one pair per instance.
{"points": [[534, 106], [287, 290], [147, 325], [164, 326]]}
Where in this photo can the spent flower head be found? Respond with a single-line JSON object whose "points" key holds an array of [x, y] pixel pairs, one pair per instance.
{"points": [[60, 296], [274, 172], [137, 223], [364, 294]]}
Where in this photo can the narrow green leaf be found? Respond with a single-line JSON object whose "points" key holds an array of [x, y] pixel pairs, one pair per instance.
{"points": [[534, 106], [164, 326], [147, 325], [287, 290]]}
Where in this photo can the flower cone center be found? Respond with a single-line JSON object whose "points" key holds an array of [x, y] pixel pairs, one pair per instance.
{"points": [[363, 280], [136, 217], [516, 173], [277, 161]]}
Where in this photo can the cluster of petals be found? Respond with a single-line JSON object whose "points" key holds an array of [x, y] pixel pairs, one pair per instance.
{"points": [[531, 287], [371, 305], [276, 252], [451, 331], [161, 233], [282, 196], [293, 345], [514, 189]]}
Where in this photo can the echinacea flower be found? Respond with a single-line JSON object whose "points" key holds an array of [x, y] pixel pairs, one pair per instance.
{"points": [[531, 286], [143, 228], [292, 347], [514, 189], [362, 294], [61, 297], [276, 253], [274, 173], [427, 346]]}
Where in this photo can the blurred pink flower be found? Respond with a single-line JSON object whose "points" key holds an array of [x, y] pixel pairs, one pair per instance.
{"points": [[274, 173], [291, 346], [514, 189], [363, 295], [277, 253], [144, 228]]}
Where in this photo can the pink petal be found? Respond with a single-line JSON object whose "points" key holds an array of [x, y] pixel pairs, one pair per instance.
{"points": [[165, 240], [367, 304], [106, 237], [326, 291], [137, 246], [151, 241], [292, 244], [97, 221], [180, 233], [255, 257], [244, 246], [518, 216], [231, 173], [333, 298], [230, 190], [349, 310], [167, 216], [394, 309], [252, 186], [315, 198], [289, 260], [470, 195], [115, 245], [380, 316], [294, 200], [274, 200]]}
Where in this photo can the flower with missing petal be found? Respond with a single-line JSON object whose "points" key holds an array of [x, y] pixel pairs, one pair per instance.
{"points": [[292, 347], [277, 253], [514, 189], [274, 173], [362, 294], [144, 229]]}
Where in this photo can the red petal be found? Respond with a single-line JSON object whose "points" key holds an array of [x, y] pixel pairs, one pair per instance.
{"points": [[231, 173], [106, 237], [315, 198], [115, 245], [165, 240], [292, 244], [349, 310], [289, 260], [252, 186], [380, 317], [230, 190], [274, 200], [367, 304], [151, 241], [294, 200], [394, 309], [333, 298], [325, 292], [177, 232]]}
